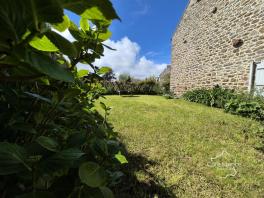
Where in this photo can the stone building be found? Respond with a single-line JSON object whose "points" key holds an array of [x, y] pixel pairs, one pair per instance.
{"points": [[219, 42]]}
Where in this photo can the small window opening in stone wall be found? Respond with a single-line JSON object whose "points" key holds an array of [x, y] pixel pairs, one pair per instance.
{"points": [[214, 10], [184, 41], [237, 43], [198, 1]]}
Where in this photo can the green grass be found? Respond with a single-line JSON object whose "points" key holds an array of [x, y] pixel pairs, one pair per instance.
{"points": [[170, 144]]}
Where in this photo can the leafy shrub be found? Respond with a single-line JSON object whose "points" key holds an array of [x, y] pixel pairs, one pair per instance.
{"points": [[199, 95], [53, 143], [245, 108], [215, 97], [127, 85], [241, 104]]}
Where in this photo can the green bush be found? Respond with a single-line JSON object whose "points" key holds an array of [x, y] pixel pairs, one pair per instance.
{"points": [[53, 143], [127, 85], [252, 109], [241, 104], [215, 97], [168, 96]]}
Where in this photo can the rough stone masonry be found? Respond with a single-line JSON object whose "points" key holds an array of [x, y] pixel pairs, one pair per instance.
{"points": [[216, 42]]}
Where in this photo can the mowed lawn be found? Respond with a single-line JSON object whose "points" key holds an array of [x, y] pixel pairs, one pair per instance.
{"points": [[182, 149]]}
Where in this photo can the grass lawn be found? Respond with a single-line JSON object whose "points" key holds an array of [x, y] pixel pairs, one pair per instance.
{"points": [[181, 149]]}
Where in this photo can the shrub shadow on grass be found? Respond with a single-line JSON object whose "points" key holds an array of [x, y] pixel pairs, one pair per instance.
{"points": [[260, 134], [147, 185], [260, 149], [130, 96]]}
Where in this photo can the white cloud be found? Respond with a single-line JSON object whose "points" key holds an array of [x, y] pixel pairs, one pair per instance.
{"points": [[66, 34], [152, 54], [143, 11], [125, 59], [143, 7]]}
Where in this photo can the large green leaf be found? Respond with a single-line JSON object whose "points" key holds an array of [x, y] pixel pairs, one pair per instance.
{"points": [[75, 32], [77, 6], [13, 14], [92, 174], [93, 13], [104, 36], [104, 6], [113, 146], [45, 11], [66, 157], [121, 158], [17, 16], [106, 192], [43, 44], [46, 65], [65, 24], [83, 72], [84, 24], [39, 97], [99, 146], [17, 60], [104, 70], [65, 46], [48, 143], [60, 161], [12, 159]]}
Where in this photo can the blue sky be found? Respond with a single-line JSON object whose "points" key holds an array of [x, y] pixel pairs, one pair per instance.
{"points": [[150, 23], [143, 38]]}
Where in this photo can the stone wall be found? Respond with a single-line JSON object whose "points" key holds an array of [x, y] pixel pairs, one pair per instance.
{"points": [[165, 73], [215, 43]]}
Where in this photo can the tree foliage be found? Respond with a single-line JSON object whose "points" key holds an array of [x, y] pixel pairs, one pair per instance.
{"points": [[165, 84], [128, 85], [109, 76], [53, 143]]}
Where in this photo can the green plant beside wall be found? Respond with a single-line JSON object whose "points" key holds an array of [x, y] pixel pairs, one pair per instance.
{"points": [[241, 104]]}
